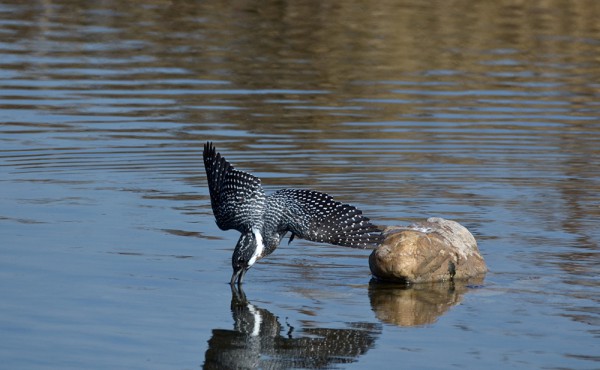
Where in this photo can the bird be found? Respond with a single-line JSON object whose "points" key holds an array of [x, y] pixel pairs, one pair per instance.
{"points": [[239, 202]]}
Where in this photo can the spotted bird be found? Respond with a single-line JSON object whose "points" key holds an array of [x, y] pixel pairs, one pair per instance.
{"points": [[239, 202]]}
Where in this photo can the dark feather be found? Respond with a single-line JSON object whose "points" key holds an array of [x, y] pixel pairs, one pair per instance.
{"points": [[317, 217], [237, 197]]}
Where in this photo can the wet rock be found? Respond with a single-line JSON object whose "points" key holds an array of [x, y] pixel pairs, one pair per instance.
{"points": [[430, 251]]}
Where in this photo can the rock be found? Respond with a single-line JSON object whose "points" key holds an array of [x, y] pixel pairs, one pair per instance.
{"points": [[430, 251]]}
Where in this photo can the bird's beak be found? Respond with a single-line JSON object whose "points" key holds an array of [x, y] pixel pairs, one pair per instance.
{"points": [[235, 276], [239, 276]]}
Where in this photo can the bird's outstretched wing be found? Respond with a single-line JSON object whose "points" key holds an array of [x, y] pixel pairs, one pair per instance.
{"points": [[237, 198], [317, 217]]}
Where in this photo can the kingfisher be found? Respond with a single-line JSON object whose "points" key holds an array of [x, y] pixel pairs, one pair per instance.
{"points": [[239, 202]]}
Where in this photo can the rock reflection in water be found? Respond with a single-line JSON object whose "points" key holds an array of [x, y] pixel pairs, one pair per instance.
{"points": [[415, 305], [260, 341]]}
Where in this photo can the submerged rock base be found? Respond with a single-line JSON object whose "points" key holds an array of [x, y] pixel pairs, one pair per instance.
{"points": [[430, 251]]}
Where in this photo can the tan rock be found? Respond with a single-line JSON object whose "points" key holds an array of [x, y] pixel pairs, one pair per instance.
{"points": [[430, 251]]}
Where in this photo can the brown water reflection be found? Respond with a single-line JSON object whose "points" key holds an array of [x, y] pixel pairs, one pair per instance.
{"points": [[416, 305], [260, 340]]}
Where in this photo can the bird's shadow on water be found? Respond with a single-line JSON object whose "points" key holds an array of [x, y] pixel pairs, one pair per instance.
{"points": [[259, 340]]}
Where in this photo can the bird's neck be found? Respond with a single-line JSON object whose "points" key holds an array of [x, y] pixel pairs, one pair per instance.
{"points": [[270, 241], [260, 246]]}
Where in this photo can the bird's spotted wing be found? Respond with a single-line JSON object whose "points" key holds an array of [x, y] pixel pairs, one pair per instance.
{"points": [[317, 217], [237, 198]]}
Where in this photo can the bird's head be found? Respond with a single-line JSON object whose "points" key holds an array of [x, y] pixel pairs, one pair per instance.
{"points": [[248, 250]]}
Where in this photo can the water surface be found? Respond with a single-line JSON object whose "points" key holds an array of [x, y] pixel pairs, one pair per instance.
{"points": [[483, 113]]}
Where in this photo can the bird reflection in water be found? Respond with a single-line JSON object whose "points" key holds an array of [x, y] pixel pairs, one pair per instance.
{"points": [[258, 340]]}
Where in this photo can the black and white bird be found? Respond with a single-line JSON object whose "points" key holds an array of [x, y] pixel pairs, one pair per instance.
{"points": [[239, 202]]}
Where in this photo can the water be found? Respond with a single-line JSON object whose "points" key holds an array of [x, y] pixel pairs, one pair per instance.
{"points": [[484, 113]]}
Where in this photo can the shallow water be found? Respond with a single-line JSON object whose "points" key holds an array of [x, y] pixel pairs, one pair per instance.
{"points": [[486, 114]]}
